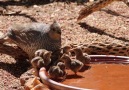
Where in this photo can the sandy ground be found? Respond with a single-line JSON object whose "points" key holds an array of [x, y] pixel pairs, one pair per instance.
{"points": [[110, 24]]}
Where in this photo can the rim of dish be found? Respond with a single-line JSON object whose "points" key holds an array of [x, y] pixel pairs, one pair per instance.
{"points": [[56, 85]]}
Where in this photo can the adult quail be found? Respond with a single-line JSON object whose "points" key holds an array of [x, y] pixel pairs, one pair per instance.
{"points": [[33, 36]]}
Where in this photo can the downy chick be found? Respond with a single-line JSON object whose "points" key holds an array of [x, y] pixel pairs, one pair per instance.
{"points": [[47, 57], [57, 71], [74, 65], [84, 58], [37, 63], [66, 49], [45, 54], [40, 52]]}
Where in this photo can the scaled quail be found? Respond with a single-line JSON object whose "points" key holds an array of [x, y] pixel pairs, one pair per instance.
{"points": [[33, 36]]}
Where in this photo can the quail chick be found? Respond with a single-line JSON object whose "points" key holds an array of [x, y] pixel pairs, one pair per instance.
{"points": [[37, 63], [40, 63], [74, 65], [45, 54], [57, 71], [84, 58], [66, 49], [33, 36], [40, 52], [47, 57], [61, 65]]}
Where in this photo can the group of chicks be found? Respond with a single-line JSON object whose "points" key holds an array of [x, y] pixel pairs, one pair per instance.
{"points": [[42, 59], [65, 61]]}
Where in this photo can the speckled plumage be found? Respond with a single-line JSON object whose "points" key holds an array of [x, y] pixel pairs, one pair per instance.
{"points": [[57, 71], [84, 58], [46, 55], [33, 36], [72, 64]]}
